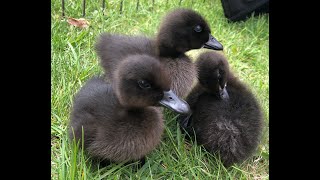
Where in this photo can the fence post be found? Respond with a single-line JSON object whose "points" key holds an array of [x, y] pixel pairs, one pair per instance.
{"points": [[121, 6], [103, 6], [84, 8], [62, 8], [137, 7]]}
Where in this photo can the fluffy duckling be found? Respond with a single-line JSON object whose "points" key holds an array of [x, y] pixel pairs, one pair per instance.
{"points": [[121, 121], [181, 30], [226, 117]]}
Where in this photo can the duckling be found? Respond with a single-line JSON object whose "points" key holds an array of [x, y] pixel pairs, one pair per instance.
{"points": [[121, 121], [226, 117], [181, 30]]}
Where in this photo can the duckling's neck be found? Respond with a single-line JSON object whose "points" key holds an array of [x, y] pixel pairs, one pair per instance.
{"points": [[193, 96], [140, 114], [135, 110], [198, 88], [171, 52], [202, 89], [168, 52]]}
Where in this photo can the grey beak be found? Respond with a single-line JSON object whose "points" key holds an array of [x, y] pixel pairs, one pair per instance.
{"points": [[213, 43], [173, 102], [223, 93]]}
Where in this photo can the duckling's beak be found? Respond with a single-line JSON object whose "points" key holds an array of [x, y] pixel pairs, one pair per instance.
{"points": [[173, 102], [213, 43], [223, 93]]}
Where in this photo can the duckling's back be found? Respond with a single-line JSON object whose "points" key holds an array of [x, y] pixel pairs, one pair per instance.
{"points": [[112, 48], [95, 101]]}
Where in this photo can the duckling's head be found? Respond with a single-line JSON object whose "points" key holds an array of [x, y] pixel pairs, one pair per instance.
{"points": [[213, 71], [182, 30], [141, 81]]}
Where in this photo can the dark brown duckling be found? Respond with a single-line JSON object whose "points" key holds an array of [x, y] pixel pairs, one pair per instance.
{"points": [[121, 121], [181, 30], [226, 118]]}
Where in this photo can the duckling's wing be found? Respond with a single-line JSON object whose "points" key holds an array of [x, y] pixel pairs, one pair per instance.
{"points": [[112, 48]]}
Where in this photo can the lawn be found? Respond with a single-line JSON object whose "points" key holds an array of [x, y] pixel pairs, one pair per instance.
{"points": [[73, 61]]}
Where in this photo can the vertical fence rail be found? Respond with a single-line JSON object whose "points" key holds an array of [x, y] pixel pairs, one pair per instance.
{"points": [[62, 8], [103, 6], [121, 4], [137, 7], [120, 9], [84, 8]]}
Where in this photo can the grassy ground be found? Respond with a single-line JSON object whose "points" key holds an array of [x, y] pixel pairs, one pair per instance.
{"points": [[246, 44]]}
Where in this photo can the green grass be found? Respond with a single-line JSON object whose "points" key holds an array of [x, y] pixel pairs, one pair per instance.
{"points": [[246, 44]]}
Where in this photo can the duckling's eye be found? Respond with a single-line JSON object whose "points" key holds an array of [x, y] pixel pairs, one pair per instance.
{"points": [[197, 28], [144, 84]]}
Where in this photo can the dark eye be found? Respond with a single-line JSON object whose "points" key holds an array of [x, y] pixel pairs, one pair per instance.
{"points": [[197, 28], [144, 84]]}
